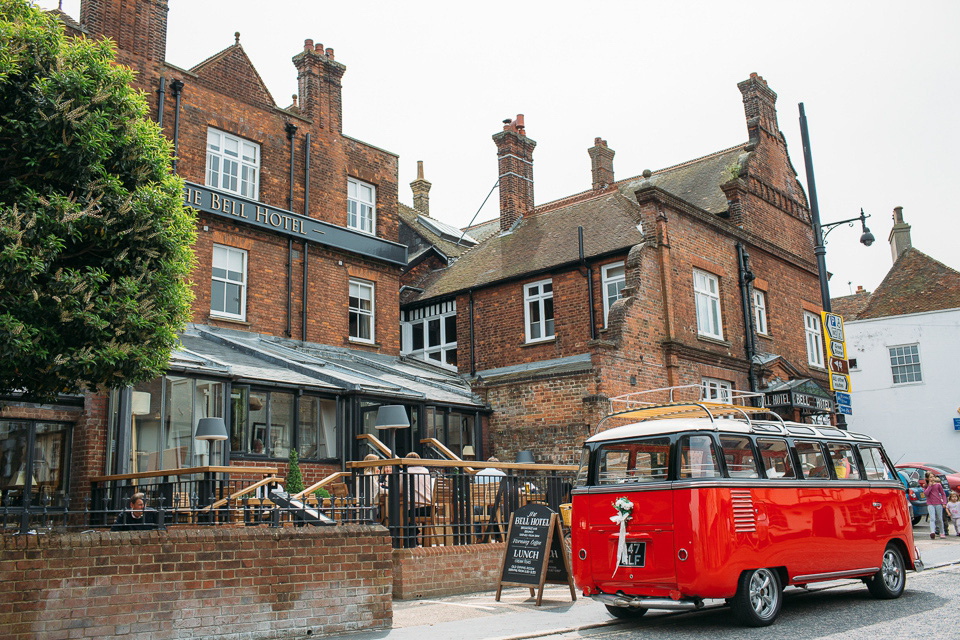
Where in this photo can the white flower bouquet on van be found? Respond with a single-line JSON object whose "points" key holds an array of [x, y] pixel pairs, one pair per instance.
{"points": [[624, 512]]}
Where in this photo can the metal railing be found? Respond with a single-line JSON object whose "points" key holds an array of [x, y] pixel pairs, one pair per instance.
{"points": [[443, 502]]}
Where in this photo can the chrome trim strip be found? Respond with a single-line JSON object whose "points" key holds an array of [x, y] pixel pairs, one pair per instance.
{"points": [[834, 575]]}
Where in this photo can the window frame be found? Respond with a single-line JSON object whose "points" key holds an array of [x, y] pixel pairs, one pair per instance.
{"points": [[360, 204], [618, 281], [416, 324], [239, 160], [244, 284], [540, 300], [723, 389], [760, 320], [918, 364], [813, 334], [361, 313], [713, 309]]}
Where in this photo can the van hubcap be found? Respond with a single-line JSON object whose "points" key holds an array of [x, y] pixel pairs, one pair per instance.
{"points": [[763, 593], [892, 571]]}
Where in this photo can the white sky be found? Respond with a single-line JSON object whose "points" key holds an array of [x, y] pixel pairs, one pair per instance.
{"points": [[432, 81]]}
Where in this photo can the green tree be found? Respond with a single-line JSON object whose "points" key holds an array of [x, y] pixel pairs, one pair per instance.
{"points": [[94, 238], [293, 483]]}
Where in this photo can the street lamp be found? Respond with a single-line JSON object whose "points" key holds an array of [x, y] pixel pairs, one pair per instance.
{"points": [[821, 231]]}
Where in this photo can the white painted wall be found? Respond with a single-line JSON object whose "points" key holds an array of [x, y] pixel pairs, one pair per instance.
{"points": [[914, 421]]}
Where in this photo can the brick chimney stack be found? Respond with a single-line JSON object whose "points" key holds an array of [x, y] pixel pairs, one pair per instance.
{"points": [[318, 79], [899, 235], [142, 28], [515, 163], [759, 105], [601, 163], [421, 191]]}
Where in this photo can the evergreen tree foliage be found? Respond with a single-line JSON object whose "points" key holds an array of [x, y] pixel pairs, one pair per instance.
{"points": [[94, 238], [294, 480]]}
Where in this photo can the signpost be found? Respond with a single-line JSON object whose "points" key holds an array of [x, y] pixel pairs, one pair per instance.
{"points": [[836, 352], [534, 553]]}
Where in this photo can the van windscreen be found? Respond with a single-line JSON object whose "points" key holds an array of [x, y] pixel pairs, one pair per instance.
{"points": [[639, 461]]}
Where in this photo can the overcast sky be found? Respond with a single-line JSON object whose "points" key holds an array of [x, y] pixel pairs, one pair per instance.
{"points": [[433, 81]]}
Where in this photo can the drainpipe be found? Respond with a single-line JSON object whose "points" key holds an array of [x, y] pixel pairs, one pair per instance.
{"points": [[162, 91], [746, 277], [473, 360], [177, 87], [291, 130], [583, 262], [306, 260]]}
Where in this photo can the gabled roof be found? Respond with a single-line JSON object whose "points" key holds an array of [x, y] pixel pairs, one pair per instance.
{"points": [[548, 238], [916, 283], [231, 72]]}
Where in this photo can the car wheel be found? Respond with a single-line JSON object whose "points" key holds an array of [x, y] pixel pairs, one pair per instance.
{"points": [[759, 598], [917, 520], [625, 613], [889, 581]]}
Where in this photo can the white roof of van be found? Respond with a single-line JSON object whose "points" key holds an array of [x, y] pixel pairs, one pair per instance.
{"points": [[724, 425]]}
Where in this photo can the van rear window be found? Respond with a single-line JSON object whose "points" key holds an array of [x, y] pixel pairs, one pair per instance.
{"points": [[641, 461], [775, 455]]}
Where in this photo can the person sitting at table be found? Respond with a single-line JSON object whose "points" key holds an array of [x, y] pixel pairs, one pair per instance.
{"points": [[490, 474], [136, 517], [370, 488], [420, 496]]}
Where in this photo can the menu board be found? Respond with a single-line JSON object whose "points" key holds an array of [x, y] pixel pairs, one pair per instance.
{"points": [[534, 551]]}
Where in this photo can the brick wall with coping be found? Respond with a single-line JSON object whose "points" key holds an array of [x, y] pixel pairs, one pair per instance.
{"points": [[430, 572], [232, 582]]}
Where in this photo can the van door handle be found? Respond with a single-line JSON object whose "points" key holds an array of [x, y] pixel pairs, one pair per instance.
{"points": [[877, 505]]}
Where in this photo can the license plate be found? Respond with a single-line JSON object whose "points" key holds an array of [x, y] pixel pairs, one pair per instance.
{"points": [[636, 554]]}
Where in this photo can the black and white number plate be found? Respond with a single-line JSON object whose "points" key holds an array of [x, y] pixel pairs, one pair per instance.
{"points": [[636, 554]]}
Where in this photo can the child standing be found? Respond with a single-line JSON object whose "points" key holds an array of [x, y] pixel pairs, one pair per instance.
{"points": [[953, 506]]}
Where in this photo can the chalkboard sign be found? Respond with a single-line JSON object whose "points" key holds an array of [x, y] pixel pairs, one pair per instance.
{"points": [[534, 552]]}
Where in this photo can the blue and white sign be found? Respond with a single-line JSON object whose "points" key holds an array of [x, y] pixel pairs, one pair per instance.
{"points": [[845, 409], [956, 424], [843, 398], [834, 325]]}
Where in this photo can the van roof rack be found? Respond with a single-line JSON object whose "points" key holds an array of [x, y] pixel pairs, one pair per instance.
{"points": [[686, 401]]}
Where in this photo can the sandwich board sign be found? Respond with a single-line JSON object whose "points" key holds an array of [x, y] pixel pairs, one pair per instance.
{"points": [[534, 553]]}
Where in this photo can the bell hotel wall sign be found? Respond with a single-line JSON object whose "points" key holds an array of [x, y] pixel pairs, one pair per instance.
{"points": [[291, 224]]}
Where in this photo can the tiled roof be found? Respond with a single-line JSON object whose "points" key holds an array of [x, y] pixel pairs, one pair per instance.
{"points": [[850, 306], [916, 283], [548, 238], [540, 242]]}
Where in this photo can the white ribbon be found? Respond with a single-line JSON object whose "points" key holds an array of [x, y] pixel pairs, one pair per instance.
{"points": [[621, 519]]}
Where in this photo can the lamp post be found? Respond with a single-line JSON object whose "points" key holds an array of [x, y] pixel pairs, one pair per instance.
{"points": [[819, 235], [391, 417]]}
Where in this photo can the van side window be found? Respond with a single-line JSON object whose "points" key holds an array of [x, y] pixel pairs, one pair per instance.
{"points": [[739, 456], [698, 458], [844, 464], [874, 464], [776, 458], [812, 462], [643, 461]]}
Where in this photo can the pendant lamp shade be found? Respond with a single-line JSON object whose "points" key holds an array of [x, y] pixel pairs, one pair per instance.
{"points": [[392, 416]]}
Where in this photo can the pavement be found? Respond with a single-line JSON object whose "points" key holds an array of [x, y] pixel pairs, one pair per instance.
{"points": [[478, 616]]}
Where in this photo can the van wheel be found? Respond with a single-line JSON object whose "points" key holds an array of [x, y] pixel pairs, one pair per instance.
{"points": [[625, 613], [888, 583], [759, 597], [917, 520]]}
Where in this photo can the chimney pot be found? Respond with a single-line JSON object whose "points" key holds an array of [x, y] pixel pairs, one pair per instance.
{"points": [[330, 53], [307, 44], [236, 37]]}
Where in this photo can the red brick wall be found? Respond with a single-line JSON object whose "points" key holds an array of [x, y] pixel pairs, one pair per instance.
{"points": [[257, 583], [429, 572]]}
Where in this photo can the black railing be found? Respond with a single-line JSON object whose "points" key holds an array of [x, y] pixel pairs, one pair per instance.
{"points": [[436, 502]]}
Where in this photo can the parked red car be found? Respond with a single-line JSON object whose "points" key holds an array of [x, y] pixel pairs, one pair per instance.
{"points": [[950, 478]]}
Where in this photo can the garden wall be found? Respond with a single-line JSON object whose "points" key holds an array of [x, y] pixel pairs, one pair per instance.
{"points": [[229, 582]]}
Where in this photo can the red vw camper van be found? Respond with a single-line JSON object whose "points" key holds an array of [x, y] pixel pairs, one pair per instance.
{"points": [[701, 500]]}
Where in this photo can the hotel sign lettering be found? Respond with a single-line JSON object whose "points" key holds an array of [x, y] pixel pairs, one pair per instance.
{"points": [[291, 224], [798, 399]]}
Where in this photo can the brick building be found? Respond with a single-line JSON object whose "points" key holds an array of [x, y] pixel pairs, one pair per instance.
{"points": [[701, 273], [294, 339]]}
